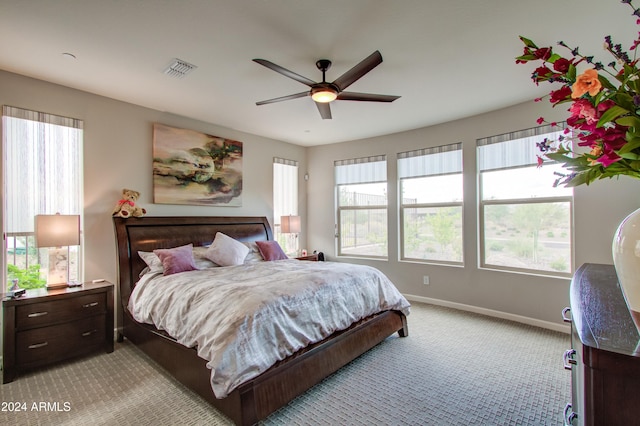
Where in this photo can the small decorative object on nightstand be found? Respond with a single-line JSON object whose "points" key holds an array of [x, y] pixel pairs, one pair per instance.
{"points": [[47, 326], [315, 257], [15, 290]]}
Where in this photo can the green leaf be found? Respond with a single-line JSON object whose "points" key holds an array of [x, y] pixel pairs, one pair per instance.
{"points": [[625, 101], [629, 121], [629, 146], [571, 74], [605, 83], [526, 58], [611, 114], [528, 42], [579, 179], [554, 57], [559, 157]]}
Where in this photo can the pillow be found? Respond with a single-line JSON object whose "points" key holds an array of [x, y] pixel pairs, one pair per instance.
{"points": [[271, 250], [177, 259], [200, 257], [225, 251], [254, 254], [153, 262]]}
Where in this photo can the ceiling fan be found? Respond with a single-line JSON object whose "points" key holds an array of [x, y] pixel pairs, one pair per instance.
{"points": [[323, 92]]}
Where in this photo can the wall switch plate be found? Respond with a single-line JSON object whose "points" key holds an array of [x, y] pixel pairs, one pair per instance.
{"points": [[425, 280]]}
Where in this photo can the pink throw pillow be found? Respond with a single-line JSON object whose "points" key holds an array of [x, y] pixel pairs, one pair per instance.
{"points": [[271, 250], [177, 259]]}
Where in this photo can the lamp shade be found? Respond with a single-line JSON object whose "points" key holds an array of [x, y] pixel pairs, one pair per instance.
{"points": [[290, 224], [57, 230]]}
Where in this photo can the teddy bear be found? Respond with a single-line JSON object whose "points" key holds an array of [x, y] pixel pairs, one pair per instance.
{"points": [[126, 207]]}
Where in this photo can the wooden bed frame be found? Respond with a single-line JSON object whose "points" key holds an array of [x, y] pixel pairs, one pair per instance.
{"points": [[258, 397]]}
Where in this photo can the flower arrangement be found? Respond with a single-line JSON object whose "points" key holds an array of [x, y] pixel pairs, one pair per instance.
{"points": [[604, 115]]}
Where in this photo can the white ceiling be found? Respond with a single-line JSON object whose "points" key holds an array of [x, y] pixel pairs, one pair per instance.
{"points": [[448, 59]]}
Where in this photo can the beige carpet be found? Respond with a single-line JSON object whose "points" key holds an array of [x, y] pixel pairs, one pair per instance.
{"points": [[455, 368]]}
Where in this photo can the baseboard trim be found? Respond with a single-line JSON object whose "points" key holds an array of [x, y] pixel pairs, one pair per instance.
{"points": [[492, 313]]}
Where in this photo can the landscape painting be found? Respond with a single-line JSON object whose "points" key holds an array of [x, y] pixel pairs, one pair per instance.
{"points": [[194, 168]]}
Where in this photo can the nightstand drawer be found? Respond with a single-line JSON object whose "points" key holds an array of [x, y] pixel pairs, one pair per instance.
{"points": [[55, 311], [47, 344]]}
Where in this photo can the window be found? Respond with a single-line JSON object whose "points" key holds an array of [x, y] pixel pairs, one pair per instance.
{"points": [[525, 222], [431, 204], [285, 201], [42, 162], [361, 194]]}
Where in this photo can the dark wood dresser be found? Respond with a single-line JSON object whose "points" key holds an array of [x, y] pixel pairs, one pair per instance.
{"points": [[47, 326], [605, 355]]}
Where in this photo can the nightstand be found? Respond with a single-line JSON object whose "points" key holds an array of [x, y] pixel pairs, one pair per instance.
{"points": [[47, 326]]}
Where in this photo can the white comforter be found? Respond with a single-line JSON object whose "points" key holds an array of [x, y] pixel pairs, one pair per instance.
{"points": [[243, 319]]}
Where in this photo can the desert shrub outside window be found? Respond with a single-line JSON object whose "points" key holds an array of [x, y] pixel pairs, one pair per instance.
{"points": [[361, 199], [525, 221]]}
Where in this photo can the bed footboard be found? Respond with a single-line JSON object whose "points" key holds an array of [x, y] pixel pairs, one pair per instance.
{"points": [[276, 387]]}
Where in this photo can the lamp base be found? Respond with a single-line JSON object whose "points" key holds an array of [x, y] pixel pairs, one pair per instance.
{"points": [[55, 285], [63, 285]]}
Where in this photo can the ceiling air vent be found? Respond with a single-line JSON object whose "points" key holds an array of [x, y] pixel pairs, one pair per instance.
{"points": [[179, 68]]}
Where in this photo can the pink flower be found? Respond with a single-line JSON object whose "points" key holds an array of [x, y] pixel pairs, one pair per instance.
{"points": [[540, 120], [608, 157], [582, 108]]}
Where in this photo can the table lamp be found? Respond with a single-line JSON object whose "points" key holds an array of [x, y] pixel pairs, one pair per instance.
{"points": [[56, 231], [291, 225]]}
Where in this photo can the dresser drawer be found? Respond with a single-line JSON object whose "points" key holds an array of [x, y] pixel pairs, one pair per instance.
{"points": [[55, 311], [47, 344]]}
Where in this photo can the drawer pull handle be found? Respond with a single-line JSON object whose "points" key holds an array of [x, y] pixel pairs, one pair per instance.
{"points": [[569, 415], [88, 333], [566, 314], [90, 305], [568, 360], [37, 314], [38, 345]]}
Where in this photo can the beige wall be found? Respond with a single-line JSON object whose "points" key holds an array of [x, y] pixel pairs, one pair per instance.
{"points": [[117, 154], [598, 210]]}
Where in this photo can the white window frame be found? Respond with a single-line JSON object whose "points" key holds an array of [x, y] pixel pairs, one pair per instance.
{"points": [[523, 153], [45, 151], [364, 170], [285, 201], [429, 162]]}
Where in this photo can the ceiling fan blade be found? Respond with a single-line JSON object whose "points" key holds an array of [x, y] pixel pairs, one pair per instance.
{"points": [[285, 72], [284, 98], [366, 65], [324, 109], [370, 97]]}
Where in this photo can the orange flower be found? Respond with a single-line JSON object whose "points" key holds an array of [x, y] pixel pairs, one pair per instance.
{"points": [[586, 82], [596, 151]]}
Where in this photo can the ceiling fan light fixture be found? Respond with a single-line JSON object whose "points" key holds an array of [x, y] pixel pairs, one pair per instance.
{"points": [[324, 94]]}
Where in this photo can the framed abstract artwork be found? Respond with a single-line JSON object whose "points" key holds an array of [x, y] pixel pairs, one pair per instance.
{"points": [[195, 168]]}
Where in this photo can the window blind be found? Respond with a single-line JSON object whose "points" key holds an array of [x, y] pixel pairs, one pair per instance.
{"points": [[361, 170], [514, 149], [439, 160], [285, 188], [42, 158]]}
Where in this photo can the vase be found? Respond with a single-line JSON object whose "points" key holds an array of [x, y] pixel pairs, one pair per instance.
{"points": [[626, 259]]}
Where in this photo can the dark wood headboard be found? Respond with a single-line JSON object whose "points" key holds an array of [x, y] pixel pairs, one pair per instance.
{"points": [[148, 233]]}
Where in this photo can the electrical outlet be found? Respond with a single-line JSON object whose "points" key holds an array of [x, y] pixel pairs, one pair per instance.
{"points": [[425, 280]]}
